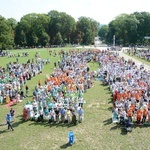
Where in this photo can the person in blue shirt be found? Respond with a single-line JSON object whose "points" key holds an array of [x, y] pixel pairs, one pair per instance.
{"points": [[80, 114], [8, 119], [63, 113]]}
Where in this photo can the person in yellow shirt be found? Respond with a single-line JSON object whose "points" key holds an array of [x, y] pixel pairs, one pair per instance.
{"points": [[69, 115]]}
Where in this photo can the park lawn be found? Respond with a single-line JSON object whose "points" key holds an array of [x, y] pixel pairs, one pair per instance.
{"points": [[97, 132]]}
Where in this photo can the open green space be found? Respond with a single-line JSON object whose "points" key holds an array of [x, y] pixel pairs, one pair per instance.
{"points": [[96, 132]]}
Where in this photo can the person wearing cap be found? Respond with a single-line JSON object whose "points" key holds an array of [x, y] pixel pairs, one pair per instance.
{"points": [[8, 119]]}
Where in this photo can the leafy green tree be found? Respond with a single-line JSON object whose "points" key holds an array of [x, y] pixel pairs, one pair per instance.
{"points": [[87, 29], [103, 31], [143, 27], [58, 39], [35, 29], [61, 23], [44, 39], [124, 27], [6, 34]]}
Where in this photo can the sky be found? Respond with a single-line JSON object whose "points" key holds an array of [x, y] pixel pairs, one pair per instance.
{"points": [[103, 11]]}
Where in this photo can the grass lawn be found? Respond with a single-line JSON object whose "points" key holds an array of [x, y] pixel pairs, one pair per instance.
{"points": [[97, 132]]}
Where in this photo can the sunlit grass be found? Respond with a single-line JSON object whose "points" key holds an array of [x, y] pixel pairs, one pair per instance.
{"points": [[97, 132]]}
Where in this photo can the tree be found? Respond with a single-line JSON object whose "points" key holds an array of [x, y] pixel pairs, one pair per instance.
{"points": [[35, 29], [20, 37], [124, 27], [58, 39], [6, 35], [61, 23], [87, 29], [44, 39], [143, 26], [103, 31]]}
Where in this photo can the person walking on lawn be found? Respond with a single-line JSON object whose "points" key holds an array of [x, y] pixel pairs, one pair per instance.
{"points": [[8, 119]]}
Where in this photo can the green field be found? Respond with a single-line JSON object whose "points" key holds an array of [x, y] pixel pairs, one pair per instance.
{"points": [[96, 132]]}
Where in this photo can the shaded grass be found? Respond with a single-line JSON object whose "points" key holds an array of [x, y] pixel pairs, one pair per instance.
{"points": [[97, 132]]}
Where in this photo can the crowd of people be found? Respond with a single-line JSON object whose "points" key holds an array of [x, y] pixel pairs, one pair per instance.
{"points": [[15, 76], [60, 98], [130, 88], [143, 53]]}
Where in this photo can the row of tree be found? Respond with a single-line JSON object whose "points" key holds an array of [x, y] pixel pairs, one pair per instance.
{"points": [[59, 28], [129, 29], [54, 28]]}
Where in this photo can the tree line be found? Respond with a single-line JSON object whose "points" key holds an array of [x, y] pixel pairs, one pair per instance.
{"points": [[59, 28], [54, 28], [129, 29]]}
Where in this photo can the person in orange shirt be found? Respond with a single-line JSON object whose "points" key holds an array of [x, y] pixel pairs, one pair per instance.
{"points": [[132, 107], [124, 95], [118, 96], [139, 116], [137, 96], [145, 113], [130, 114]]}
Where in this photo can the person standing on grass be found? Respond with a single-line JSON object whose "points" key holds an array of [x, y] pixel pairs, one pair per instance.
{"points": [[27, 91], [12, 113], [8, 119], [80, 114]]}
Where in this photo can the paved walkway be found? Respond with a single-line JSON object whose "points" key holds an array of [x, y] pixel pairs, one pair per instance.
{"points": [[137, 62]]}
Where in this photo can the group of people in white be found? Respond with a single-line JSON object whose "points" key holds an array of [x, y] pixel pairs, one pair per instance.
{"points": [[60, 98], [11, 83], [130, 86]]}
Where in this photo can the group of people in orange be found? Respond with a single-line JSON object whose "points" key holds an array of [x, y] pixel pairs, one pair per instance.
{"points": [[63, 89]]}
